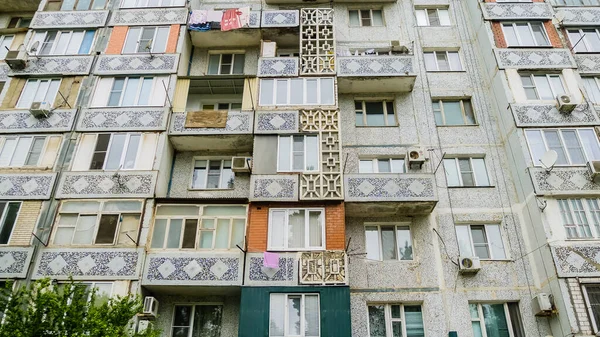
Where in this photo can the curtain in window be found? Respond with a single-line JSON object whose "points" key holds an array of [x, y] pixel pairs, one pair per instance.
{"points": [[296, 229], [207, 321], [495, 320], [414, 321], [314, 229], [311, 316], [276, 316], [293, 312]]}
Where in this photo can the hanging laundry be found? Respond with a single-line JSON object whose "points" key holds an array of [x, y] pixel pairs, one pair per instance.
{"points": [[197, 17], [244, 16], [271, 260], [214, 16], [203, 27], [230, 20]]}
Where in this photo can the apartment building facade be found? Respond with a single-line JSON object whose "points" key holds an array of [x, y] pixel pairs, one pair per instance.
{"points": [[325, 169]]}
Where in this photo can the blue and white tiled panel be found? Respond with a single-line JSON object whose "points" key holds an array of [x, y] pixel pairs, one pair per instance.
{"points": [[135, 184], [276, 122], [193, 268], [588, 63], [57, 65], [138, 64], [89, 264], [393, 65], [26, 186], [69, 19], [547, 115], [563, 181], [149, 16], [277, 67], [534, 58], [285, 274], [276, 187], [238, 122], [518, 10], [390, 187], [123, 119], [579, 260], [280, 18], [579, 16], [22, 121], [14, 262]]}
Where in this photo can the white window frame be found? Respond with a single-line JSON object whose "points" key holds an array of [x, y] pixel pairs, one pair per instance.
{"points": [[426, 17], [161, 3], [396, 226], [389, 320], [592, 83], [137, 92], [234, 58], [3, 39], [481, 319], [460, 179], [59, 33], [302, 312], [519, 39], [584, 212], [20, 20], [306, 153], [193, 315], [215, 106], [3, 216], [370, 18], [208, 160], [562, 141], [98, 215], [375, 165], [92, 285], [513, 0], [123, 154], [38, 80], [463, 110], [584, 40], [576, 2], [199, 218], [3, 140], [386, 113], [304, 93], [285, 225], [554, 92], [138, 39], [450, 65], [487, 242], [89, 8]]}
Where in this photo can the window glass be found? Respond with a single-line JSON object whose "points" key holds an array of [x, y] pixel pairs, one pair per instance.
{"points": [[197, 320], [573, 146], [5, 43], [388, 242], [483, 241], [593, 296], [116, 151], [8, 211], [287, 311], [395, 320], [293, 226], [279, 91]]}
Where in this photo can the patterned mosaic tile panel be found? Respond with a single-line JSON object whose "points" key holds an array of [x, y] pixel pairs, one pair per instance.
{"points": [[149, 16], [123, 119], [577, 260], [548, 115], [14, 261], [193, 269], [563, 180], [237, 122], [504, 11], [375, 66], [286, 272], [59, 65], [68, 19], [582, 16], [26, 185], [534, 58], [588, 63], [107, 184], [276, 122], [280, 18], [278, 187], [277, 67], [18, 121], [138, 64], [390, 187]]}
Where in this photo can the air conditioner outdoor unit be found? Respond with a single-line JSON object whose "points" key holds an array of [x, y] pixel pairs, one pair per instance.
{"points": [[144, 325], [40, 109], [241, 164], [594, 169], [416, 158], [469, 264], [542, 305], [150, 307], [16, 59], [565, 103]]}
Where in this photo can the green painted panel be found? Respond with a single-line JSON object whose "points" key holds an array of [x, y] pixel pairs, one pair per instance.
{"points": [[334, 302]]}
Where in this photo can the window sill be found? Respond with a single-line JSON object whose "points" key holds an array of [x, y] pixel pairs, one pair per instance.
{"points": [[470, 187], [446, 71], [458, 125], [587, 52], [151, 7], [389, 261], [531, 47], [210, 189], [440, 26], [298, 172], [496, 260], [377, 126], [128, 106], [26, 168], [563, 166], [295, 250]]}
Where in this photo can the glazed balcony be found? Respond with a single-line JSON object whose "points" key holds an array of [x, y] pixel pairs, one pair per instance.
{"points": [[375, 74], [389, 194]]}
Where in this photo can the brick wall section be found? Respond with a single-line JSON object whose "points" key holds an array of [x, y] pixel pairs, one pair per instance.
{"points": [[498, 34], [117, 40], [25, 225], [172, 40], [258, 225], [553, 35], [581, 313]]}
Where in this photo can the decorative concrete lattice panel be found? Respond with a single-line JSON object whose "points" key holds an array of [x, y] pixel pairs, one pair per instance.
{"points": [[238, 122], [286, 272], [280, 18], [138, 64], [534, 58], [507, 11], [582, 16], [193, 269], [57, 65], [278, 67], [390, 187], [107, 184], [149, 16], [527, 115], [69, 19], [89, 264], [129, 119], [276, 122], [563, 181], [375, 66], [14, 262], [277, 187], [588, 63], [18, 121], [328, 183], [26, 185], [328, 267], [577, 260], [317, 41]]}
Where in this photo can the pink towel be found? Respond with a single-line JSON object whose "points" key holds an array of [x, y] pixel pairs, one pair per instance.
{"points": [[271, 260], [230, 20]]}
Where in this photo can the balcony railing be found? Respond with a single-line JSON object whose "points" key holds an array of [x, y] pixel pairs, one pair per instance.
{"points": [[15, 261], [57, 65], [107, 184], [69, 19], [23, 186], [375, 73]]}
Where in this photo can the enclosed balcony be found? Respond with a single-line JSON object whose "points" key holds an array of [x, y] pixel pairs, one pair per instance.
{"points": [[375, 73], [389, 194]]}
